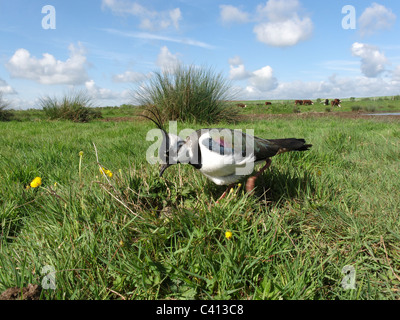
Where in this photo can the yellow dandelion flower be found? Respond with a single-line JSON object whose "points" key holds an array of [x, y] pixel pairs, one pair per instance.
{"points": [[231, 191], [109, 173], [239, 185], [228, 235], [121, 243], [106, 172], [36, 182]]}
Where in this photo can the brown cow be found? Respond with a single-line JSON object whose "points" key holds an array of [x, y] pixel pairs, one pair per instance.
{"points": [[241, 105], [300, 102], [336, 102], [307, 102], [268, 103]]}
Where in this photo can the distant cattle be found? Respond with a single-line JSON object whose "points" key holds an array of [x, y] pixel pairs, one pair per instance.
{"points": [[326, 102], [300, 102], [307, 102], [336, 102], [241, 105], [268, 103]]}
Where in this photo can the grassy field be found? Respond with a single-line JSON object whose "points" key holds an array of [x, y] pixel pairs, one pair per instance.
{"points": [[254, 107], [365, 105], [137, 236]]}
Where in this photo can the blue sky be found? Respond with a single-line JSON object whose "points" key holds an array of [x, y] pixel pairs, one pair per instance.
{"points": [[275, 49]]}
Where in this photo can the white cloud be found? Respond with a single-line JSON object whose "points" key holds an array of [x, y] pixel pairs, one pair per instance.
{"points": [[99, 93], [231, 14], [373, 61], [284, 26], [396, 74], [5, 88], [279, 23], [130, 76], [376, 18], [149, 19], [285, 33], [235, 61], [238, 72], [262, 84], [278, 10], [150, 36], [166, 60], [259, 80], [333, 87], [48, 70], [175, 16], [263, 79]]}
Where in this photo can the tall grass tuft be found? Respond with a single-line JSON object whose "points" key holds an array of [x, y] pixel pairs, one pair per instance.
{"points": [[5, 115], [77, 107], [189, 93], [370, 108]]}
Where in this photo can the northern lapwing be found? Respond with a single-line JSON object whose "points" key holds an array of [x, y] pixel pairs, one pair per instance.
{"points": [[224, 156]]}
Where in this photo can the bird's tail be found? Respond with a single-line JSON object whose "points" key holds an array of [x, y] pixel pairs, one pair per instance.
{"points": [[291, 144]]}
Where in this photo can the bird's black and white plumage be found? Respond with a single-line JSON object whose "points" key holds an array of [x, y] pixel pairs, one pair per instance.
{"points": [[223, 155]]}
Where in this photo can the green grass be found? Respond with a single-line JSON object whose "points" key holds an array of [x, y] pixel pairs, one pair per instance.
{"points": [[138, 236], [287, 106]]}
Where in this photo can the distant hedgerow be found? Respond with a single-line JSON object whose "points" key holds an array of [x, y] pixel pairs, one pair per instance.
{"points": [[77, 107], [189, 93]]}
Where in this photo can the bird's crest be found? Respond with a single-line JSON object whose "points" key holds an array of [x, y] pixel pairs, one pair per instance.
{"points": [[155, 116]]}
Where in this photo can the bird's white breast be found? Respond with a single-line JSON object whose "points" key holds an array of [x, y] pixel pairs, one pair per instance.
{"points": [[224, 169]]}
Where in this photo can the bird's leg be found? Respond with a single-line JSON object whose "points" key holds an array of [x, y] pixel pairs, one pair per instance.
{"points": [[226, 191], [251, 181]]}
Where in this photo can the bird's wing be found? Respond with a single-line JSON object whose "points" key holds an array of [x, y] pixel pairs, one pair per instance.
{"points": [[228, 143], [267, 148], [245, 147], [226, 152], [264, 149]]}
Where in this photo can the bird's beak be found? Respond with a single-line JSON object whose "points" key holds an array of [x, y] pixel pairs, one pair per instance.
{"points": [[163, 168]]}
